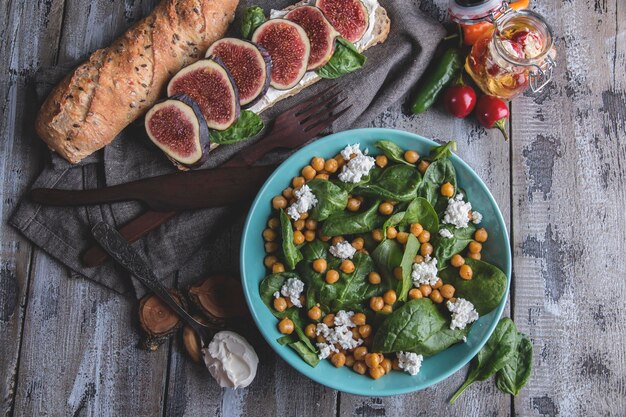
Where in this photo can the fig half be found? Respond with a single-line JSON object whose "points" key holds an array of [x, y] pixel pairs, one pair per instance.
{"points": [[158, 321], [320, 32], [349, 17]]}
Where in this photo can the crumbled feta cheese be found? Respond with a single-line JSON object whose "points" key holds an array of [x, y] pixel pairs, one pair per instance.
{"points": [[292, 290], [339, 335], [277, 294], [476, 217], [357, 167], [409, 361], [457, 212], [463, 313], [464, 339], [305, 201], [425, 272], [326, 350], [342, 250], [445, 233], [343, 318]]}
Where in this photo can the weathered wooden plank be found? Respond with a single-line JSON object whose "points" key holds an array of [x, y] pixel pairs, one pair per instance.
{"points": [[29, 27], [569, 237]]}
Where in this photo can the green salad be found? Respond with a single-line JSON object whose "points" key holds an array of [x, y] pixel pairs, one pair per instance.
{"points": [[374, 261]]}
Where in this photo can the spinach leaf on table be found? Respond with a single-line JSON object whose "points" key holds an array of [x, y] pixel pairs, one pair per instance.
{"points": [[406, 327], [445, 247], [496, 353], [253, 17], [410, 250], [514, 375], [387, 255], [330, 199], [392, 151], [345, 223], [397, 182], [248, 125], [486, 288], [441, 340], [291, 253], [345, 59]]}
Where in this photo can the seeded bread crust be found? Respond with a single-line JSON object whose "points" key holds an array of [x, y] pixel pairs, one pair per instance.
{"points": [[118, 84]]}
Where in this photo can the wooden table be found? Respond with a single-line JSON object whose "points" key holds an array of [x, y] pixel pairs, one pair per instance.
{"points": [[68, 346]]}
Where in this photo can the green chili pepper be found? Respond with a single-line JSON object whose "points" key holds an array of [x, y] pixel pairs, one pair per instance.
{"points": [[436, 80]]}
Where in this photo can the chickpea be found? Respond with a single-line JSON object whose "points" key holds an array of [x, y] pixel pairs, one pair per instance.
{"points": [[269, 261], [475, 256], [447, 291], [453, 300], [329, 320], [319, 265], [392, 232], [481, 235], [436, 297], [395, 364], [415, 293], [310, 330], [465, 272], [288, 193], [438, 284], [424, 237], [382, 161], [347, 266], [418, 259], [310, 224], [323, 238], [425, 290], [298, 237], [297, 182], [299, 224], [457, 261], [308, 172], [271, 247], [355, 333], [309, 235], [320, 339], [338, 359], [278, 267], [426, 249], [402, 237], [279, 202], [411, 157], [377, 235], [304, 216], [365, 251], [397, 272], [373, 278], [349, 361], [474, 247], [447, 190], [387, 309], [390, 297], [423, 166], [372, 360], [273, 223], [386, 364], [353, 205], [317, 163], [358, 243], [359, 319], [359, 367], [332, 276], [322, 176], [285, 326], [377, 303], [365, 330], [385, 208], [336, 240], [280, 304], [331, 166], [315, 313], [360, 353], [416, 229]]}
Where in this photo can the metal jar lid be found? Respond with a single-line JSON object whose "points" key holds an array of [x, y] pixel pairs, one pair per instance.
{"points": [[469, 12]]}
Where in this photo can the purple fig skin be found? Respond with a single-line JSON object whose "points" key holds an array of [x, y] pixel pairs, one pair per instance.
{"points": [[329, 36], [268, 75], [219, 62]]}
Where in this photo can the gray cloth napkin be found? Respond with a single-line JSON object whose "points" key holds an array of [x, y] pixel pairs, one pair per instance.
{"points": [[199, 243]]}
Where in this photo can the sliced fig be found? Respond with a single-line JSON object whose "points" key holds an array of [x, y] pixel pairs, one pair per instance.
{"points": [[179, 129], [158, 321], [289, 48], [250, 66], [209, 84], [321, 34], [349, 17]]}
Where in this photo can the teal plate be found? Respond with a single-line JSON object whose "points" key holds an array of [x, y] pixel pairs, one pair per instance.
{"points": [[435, 368]]}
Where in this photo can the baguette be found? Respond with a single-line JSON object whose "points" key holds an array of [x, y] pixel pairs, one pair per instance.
{"points": [[118, 84]]}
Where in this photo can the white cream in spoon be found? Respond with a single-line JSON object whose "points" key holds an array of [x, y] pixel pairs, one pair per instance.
{"points": [[231, 360]]}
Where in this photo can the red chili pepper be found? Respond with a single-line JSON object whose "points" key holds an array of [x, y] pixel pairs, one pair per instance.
{"points": [[492, 112], [459, 100]]}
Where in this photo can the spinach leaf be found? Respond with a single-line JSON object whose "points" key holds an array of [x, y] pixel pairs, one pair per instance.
{"points": [[345, 59], [305, 352], [496, 353], [393, 220], [248, 125], [438, 173], [392, 151], [514, 375], [271, 284], [330, 199], [387, 255], [313, 280], [410, 250], [405, 328], [283, 340], [314, 250], [253, 17], [442, 151], [422, 212], [290, 252], [398, 182], [445, 247], [346, 223], [440, 340], [486, 288]]}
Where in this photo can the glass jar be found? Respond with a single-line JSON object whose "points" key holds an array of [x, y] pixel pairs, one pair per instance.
{"points": [[516, 54]]}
